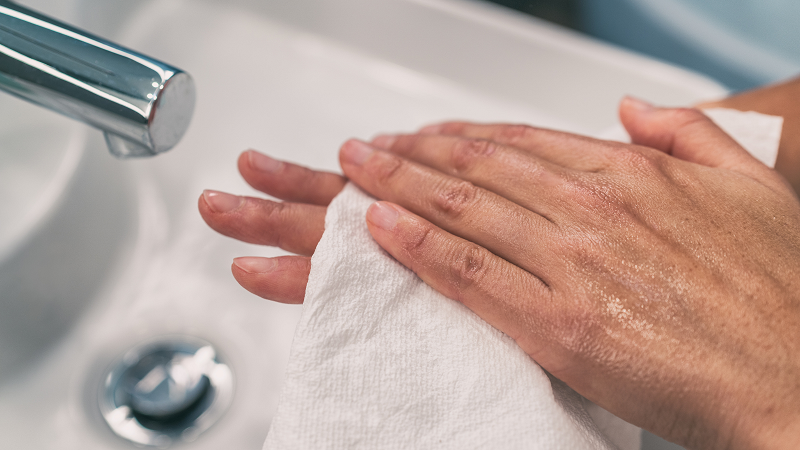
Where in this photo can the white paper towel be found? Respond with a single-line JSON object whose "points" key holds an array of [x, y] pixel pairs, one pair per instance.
{"points": [[759, 133], [382, 361]]}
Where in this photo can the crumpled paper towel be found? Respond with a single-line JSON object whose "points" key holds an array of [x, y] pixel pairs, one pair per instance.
{"points": [[382, 361]]}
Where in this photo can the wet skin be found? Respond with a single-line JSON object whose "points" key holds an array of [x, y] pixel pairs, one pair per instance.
{"points": [[657, 279]]}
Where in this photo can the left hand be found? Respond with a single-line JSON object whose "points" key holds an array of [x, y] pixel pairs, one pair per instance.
{"points": [[659, 280]]}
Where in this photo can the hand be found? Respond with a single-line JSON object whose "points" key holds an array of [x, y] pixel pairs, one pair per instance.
{"points": [[659, 280], [621, 270], [295, 225]]}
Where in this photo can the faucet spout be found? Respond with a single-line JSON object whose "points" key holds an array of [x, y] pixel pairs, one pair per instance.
{"points": [[144, 106]]}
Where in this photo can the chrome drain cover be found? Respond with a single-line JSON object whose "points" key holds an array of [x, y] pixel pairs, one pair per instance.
{"points": [[166, 392]]}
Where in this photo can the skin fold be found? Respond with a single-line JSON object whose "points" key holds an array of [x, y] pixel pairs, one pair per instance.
{"points": [[658, 279]]}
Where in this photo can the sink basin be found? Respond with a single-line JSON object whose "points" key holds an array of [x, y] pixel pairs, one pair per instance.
{"points": [[40, 155], [118, 254], [58, 236]]}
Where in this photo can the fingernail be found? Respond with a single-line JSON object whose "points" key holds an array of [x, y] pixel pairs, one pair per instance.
{"points": [[356, 152], [263, 163], [431, 129], [384, 141], [638, 104], [383, 216], [252, 264], [221, 202]]}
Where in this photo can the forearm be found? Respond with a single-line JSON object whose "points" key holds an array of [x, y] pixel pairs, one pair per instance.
{"points": [[779, 100]]}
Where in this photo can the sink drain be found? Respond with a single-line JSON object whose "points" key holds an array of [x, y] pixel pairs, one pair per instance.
{"points": [[166, 392]]}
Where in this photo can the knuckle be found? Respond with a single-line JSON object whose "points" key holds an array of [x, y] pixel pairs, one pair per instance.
{"points": [[389, 168], [687, 122], [594, 195], [406, 144], [455, 198], [466, 152], [418, 241], [630, 155], [689, 116], [583, 252], [638, 160], [453, 128], [271, 218], [513, 134], [272, 212], [469, 266]]}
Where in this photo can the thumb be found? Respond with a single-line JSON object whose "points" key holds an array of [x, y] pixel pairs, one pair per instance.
{"points": [[684, 133]]}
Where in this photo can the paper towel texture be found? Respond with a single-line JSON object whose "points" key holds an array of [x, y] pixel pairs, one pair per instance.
{"points": [[759, 133], [382, 361]]}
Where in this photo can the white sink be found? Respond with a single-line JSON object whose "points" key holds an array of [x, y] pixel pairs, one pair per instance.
{"points": [[120, 255]]}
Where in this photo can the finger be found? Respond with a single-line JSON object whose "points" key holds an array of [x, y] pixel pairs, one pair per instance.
{"points": [[282, 279], [456, 205], [294, 227], [686, 134], [490, 165], [496, 290], [288, 181], [565, 149]]}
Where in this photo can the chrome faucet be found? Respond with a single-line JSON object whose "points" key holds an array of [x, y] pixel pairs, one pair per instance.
{"points": [[143, 106]]}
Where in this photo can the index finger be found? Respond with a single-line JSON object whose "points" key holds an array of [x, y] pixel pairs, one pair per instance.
{"points": [[495, 289]]}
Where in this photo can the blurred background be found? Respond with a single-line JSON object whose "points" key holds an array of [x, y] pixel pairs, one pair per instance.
{"points": [[740, 43]]}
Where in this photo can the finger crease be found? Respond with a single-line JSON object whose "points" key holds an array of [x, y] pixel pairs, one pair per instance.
{"points": [[456, 198], [389, 169]]}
